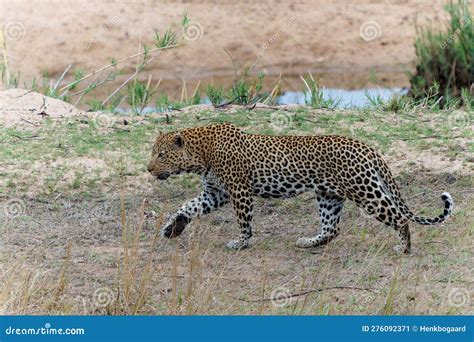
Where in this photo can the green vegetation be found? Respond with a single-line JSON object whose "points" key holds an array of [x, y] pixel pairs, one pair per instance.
{"points": [[314, 95], [445, 60], [215, 94], [247, 91], [137, 93], [163, 103], [104, 136]]}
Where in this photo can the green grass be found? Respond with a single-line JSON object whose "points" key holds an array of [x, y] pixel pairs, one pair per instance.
{"points": [[445, 59], [314, 95], [247, 90], [215, 94], [139, 95], [124, 150]]}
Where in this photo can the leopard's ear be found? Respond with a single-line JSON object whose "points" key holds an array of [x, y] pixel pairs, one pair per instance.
{"points": [[158, 136], [178, 140]]}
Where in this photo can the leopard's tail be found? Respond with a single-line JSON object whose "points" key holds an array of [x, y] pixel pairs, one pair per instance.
{"points": [[400, 203], [448, 208]]}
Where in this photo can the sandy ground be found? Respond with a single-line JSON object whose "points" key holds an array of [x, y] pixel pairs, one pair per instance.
{"points": [[357, 273], [360, 265], [347, 39], [26, 108]]}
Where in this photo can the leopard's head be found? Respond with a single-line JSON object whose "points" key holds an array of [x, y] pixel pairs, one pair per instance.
{"points": [[171, 156]]}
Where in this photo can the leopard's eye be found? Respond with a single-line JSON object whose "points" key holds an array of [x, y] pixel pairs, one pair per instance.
{"points": [[161, 154]]}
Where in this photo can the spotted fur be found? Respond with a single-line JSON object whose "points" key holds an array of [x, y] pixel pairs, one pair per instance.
{"points": [[235, 167]]}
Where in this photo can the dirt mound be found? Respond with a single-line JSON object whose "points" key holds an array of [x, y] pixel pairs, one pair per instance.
{"points": [[26, 108]]}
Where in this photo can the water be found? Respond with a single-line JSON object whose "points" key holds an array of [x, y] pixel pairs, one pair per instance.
{"points": [[343, 98]]}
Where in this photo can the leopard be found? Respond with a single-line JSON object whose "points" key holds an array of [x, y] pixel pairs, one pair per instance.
{"points": [[235, 167]]}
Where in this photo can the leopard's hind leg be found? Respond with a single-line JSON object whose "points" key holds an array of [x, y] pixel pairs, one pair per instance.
{"points": [[330, 208], [382, 207], [404, 236]]}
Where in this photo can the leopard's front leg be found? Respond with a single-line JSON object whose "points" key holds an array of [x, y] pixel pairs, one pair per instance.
{"points": [[209, 200], [242, 201]]}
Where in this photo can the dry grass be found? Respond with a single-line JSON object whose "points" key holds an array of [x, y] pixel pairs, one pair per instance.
{"points": [[136, 272], [27, 291], [95, 248]]}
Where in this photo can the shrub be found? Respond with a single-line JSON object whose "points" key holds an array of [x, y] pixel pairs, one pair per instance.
{"points": [[247, 91], [314, 94], [215, 94], [446, 58]]}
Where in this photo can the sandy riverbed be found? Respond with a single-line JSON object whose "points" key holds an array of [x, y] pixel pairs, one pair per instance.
{"points": [[347, 39]]}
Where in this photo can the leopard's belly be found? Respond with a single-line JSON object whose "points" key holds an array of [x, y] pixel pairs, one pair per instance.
{"points": [[281, 185]]}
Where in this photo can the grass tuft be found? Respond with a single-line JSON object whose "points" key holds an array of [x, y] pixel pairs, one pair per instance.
{"points": [[445, 59], [314, 95]]}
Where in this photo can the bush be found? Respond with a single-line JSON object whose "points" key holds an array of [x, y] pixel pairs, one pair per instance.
{"points": [[445, 59], [215, 94], [247, 90]]}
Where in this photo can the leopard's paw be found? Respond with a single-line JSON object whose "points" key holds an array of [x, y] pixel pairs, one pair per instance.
{"points": [[175, 226], [305, 242], [237, 244], [402, 249]]}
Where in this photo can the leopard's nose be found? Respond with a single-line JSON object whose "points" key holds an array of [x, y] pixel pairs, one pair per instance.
{"points": [[149, 167]]}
